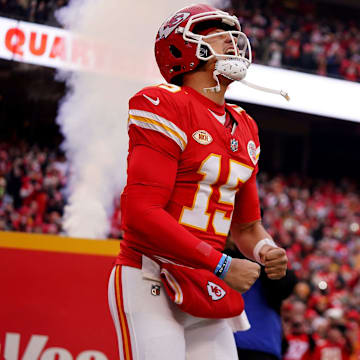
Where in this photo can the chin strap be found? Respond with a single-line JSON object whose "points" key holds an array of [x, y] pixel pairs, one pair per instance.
{"points": [[283, 93], [236, 70], [215, 88]]}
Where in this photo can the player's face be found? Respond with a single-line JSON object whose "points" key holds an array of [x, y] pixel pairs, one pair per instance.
{"points": [[222, 43]]}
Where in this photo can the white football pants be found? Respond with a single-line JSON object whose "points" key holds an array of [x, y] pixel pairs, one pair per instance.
{"points": [[150, 327]]}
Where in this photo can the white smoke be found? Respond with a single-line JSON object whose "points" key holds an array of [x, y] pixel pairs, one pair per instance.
{"points": [[93, 114]]}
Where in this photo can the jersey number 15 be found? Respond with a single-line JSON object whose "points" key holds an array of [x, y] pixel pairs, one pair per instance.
{"points": [[198, 216]]}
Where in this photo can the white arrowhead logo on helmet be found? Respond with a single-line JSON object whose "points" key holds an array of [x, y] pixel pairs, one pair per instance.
{"points": [[170, 25]]}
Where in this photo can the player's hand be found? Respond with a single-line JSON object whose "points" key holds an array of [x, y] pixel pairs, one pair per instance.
{"points": [[242, 274], [274, 260]]}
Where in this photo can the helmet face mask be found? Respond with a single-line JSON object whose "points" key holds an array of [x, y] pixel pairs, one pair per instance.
{"points": [[240, 46], [182, 41]]}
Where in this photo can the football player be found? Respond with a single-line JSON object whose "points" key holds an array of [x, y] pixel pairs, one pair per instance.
{"points": [[192, 167]]}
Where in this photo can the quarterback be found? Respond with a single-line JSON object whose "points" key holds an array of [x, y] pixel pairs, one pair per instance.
{"points": [[192, 167]]}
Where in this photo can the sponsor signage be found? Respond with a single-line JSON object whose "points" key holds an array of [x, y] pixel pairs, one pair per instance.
{"points": [[50, 46], [53, 303]]}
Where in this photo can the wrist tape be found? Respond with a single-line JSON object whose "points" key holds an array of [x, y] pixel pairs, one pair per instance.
{"points": [[259, 245]]}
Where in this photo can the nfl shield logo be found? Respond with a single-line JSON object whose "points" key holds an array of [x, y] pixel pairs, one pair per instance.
{"points": [[234, 145]]}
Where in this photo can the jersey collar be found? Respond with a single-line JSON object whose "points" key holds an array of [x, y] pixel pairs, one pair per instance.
{"points": [[220, 118]]}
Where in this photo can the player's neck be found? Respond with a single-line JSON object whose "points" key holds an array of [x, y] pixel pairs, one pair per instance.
{"points": [[199, 81]]}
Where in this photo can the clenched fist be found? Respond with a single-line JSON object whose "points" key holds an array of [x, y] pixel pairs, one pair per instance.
{"points": [[274, 260], [242, 274]]}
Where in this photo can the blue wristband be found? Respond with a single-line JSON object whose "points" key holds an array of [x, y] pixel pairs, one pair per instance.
{"points": [[226, 268], [220, 263], [223, 266]]}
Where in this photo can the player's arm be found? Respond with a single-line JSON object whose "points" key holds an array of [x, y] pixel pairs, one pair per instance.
{"points": [[151, 178], [249, 235]]}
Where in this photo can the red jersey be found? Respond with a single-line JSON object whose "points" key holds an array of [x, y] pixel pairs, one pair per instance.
{"points": [[211, 170], [327, 350], [299, 347]]}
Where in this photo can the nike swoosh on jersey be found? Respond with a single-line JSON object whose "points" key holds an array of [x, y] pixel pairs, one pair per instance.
{"points": [[153, 101]]}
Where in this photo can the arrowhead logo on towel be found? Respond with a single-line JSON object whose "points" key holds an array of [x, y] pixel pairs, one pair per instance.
{"points": [[215, 291]]}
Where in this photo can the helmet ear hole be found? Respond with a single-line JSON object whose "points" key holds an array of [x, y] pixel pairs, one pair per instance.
{"points": [[204, 51], [175, 51]]}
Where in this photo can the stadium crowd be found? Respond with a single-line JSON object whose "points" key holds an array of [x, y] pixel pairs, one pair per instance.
{"points": [[301, 37], [39, 11], [319, 225], [32, 183], [281, 36], [317, 222]]}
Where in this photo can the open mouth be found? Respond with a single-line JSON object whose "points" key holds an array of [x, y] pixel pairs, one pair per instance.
{"points": [[230, 52]]}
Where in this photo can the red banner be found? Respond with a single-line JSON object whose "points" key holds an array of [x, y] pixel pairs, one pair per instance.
{"points": [[53, 303]]}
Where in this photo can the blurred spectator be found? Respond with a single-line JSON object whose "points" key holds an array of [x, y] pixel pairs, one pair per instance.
{"points": [[41, 12], [300, 343], [292, 51], [334, 346], [308, 59]]}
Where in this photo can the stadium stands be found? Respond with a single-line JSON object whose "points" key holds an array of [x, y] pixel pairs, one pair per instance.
{"points": [[32, 184], [303, 39], [318, 223]]}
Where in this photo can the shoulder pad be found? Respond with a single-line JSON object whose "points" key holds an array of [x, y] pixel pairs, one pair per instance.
{"points": [[237, 108]]}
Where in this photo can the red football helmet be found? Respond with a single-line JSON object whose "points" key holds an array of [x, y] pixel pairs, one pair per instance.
{"points": [[179, 49]]}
